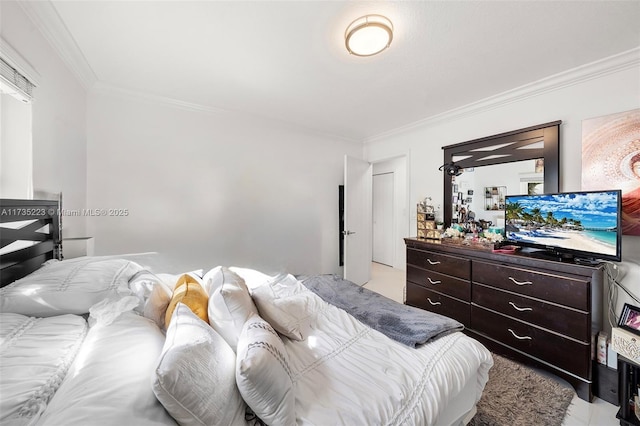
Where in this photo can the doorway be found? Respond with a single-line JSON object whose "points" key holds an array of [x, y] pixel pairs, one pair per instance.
{"points": [[383, 218], [397, 224], [395, 229]]}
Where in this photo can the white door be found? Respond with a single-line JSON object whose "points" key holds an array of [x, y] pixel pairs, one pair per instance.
{"points": [[357, 220], [383, 205]]}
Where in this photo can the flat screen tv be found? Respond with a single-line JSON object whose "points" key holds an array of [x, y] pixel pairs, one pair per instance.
{"points": [[572, 225]]}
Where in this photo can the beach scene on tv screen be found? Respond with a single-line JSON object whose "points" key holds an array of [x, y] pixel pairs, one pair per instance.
{"points": [[579, 221]]}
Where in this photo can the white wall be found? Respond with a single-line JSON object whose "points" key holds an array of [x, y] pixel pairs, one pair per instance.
{"points": [[58, 117], [607, 92], [212, 189]]}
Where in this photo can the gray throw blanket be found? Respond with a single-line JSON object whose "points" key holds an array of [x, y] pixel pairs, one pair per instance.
{"points": [[405, 324]]}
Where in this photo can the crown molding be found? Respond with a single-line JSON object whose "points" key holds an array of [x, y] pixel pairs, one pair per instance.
{"points": [[47, 20], [100, 87], [116, 91], [596, 69]]}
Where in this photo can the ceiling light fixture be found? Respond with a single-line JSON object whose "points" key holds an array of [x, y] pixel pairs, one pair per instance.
{"points": [[368, 35]]}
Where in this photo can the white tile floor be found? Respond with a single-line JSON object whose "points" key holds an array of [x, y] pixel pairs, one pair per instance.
{"points": [[391, 283]]}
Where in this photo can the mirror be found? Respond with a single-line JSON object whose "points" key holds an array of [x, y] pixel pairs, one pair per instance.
{"points": [[479, 192], [518, 162]]}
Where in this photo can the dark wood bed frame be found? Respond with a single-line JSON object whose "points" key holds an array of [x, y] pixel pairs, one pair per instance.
{"points": [[43, 229]]}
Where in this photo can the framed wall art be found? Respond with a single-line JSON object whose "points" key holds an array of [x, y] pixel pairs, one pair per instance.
{"points": [[611, 160]]}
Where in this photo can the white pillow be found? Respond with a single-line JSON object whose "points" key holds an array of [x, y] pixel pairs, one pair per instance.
{"points": [[68, 287], [212, 280], [230, 306], [263, 373], [195, 376], [154, 295], [288, 306], [252, 277]]}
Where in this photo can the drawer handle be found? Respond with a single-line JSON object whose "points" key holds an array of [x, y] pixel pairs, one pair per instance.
{"points": [[433, 303], [520, 282], [433, 282], [519, 337], [517, 308], [431, 262]]}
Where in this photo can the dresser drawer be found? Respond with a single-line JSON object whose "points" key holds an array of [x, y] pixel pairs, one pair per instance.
{"points": [[442, 263], [432, 301], [563, 320], [561, 289], [446, 284], [562, 352]]}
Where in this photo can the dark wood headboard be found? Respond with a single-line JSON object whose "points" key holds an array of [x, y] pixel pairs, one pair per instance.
{"points": [[34, 227]]}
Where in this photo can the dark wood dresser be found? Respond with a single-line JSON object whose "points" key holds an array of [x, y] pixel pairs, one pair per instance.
{"points": [[539, 312]]}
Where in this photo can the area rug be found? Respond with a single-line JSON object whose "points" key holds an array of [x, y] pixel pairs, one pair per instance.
{"points": [[518, 396]]}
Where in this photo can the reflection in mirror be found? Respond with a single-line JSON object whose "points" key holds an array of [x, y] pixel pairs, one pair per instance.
{"points": [[479, 192]]}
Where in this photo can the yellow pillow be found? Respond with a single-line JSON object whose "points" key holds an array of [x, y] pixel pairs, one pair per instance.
{"points": [[191, 293]]}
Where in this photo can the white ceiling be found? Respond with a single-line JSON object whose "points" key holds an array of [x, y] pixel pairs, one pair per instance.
{"points": [[285, 60]]}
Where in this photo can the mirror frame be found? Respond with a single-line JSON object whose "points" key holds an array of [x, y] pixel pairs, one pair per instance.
{"points": [[476, 153]]}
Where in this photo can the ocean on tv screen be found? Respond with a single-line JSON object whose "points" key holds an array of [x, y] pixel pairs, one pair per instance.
{"points": [[586, 222]]}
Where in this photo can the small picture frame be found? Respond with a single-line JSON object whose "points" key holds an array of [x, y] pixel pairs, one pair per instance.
{"points": [[630, 318]]}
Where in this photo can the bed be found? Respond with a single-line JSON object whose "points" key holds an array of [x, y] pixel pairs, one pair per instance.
{"points": [[109, 340]]}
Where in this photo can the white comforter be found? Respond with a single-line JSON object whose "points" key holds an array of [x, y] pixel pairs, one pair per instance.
{"points": [[58, 371], [35, 354], [347, 373], [109, 382], [99, 377]]}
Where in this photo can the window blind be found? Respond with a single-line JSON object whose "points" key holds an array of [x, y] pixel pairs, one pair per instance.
{"points": [[14, 83]]}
